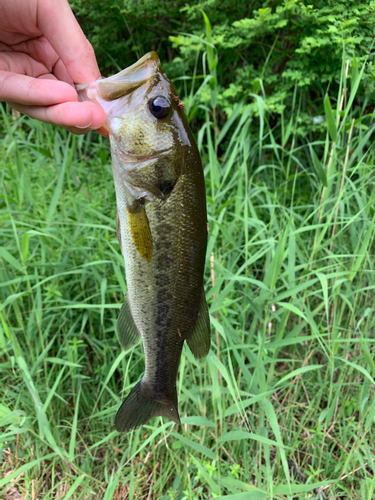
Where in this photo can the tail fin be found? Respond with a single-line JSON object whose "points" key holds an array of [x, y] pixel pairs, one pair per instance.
{"points": [[139, 407]]}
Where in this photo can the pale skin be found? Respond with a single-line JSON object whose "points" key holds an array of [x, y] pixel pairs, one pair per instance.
{"points": [[43, 52]]}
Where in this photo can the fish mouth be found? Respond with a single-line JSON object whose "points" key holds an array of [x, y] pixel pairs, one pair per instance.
{"points": [[144, 69], [129, 79], [107, 91]]}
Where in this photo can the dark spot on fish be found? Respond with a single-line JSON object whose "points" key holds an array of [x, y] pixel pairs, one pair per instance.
{"points": [[162, 381], [164, 261], [162, 280], [163, 296], [162, 315]]}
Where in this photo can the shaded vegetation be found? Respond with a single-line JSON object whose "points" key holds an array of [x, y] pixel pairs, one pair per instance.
{"points": [[286, 394], [264, 48]]}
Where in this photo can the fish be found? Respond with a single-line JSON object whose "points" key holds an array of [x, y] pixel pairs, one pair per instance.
{"points": [[162, 231]]}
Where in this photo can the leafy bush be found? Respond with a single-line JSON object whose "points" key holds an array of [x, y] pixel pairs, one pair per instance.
{"points": [[270, 48]]}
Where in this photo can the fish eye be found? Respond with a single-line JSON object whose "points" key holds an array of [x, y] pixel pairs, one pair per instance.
{"points": [[159, 106]]}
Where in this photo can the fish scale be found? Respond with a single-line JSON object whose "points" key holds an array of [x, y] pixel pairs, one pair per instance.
{"points": [[162, 229]]}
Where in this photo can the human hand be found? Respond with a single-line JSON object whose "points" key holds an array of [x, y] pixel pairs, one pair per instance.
{"points": [[43, 51]]}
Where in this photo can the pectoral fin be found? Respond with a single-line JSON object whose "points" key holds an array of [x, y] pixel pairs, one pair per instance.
{"points": [[127, 332], [200, 339], [140, 229]]}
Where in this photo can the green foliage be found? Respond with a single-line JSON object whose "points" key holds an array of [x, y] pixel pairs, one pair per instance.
{"points": [[267, 48], [284, 404]]}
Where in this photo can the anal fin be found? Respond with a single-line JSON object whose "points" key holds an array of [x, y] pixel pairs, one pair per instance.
{"points": [[127, 332], [200, 340]]}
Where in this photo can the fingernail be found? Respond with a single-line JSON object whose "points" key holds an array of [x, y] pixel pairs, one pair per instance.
{"points": [[85, 126]]}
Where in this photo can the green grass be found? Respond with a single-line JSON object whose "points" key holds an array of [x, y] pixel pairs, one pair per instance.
{"points": [[288, 387]]}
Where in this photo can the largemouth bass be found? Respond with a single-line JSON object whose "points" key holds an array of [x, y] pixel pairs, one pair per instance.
{"points": [[162, 231]]}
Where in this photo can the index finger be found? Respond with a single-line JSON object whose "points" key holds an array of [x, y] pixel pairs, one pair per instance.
{"points": [[57, 22]]}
